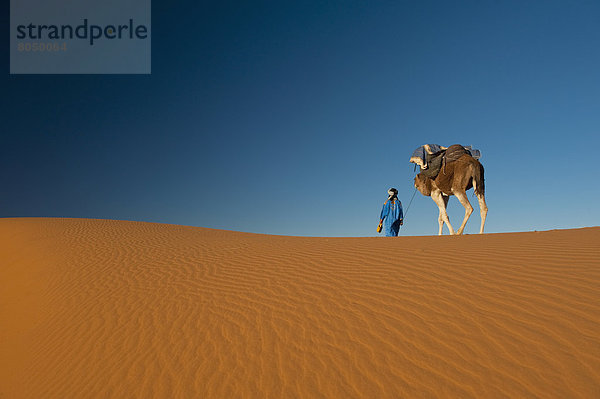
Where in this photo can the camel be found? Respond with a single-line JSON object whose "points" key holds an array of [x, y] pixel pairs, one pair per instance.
{"points": [[455, 178]]}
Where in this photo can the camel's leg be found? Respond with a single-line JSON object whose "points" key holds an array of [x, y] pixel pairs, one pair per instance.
{"points": [[464, 200], [483, 210], [438, 198], [440, 219]]}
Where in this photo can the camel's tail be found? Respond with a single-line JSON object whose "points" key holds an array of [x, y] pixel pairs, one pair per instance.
{"points": [[479, 179]]}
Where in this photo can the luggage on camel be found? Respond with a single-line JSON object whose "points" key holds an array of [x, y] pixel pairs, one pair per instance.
{"points": [[431, 157]]}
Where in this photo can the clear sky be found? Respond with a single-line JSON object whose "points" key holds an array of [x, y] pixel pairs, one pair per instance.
{"points": [[295, 117]]}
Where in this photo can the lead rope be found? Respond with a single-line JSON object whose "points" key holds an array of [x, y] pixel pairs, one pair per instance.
{"points": [[408, 207]]}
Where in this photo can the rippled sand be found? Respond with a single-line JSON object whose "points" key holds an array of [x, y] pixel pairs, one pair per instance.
{"points": [[114, 309]]}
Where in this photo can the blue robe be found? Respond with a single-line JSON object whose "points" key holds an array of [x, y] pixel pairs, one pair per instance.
{"points": [[391, 215]]}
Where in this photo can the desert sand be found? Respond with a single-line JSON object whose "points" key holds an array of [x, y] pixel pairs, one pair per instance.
{"points": [[116, 309]]}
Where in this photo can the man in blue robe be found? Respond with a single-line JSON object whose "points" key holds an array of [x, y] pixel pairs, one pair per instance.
{"points": [[391, 215]]}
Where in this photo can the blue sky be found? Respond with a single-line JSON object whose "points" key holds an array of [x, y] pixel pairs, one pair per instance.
{"points": [[295, 117]]}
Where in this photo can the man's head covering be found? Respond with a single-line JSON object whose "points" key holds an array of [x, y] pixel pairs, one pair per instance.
{"points": [[393, 193]]}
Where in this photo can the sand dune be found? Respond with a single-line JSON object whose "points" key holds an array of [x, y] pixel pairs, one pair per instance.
{"points": [[113, 309]]}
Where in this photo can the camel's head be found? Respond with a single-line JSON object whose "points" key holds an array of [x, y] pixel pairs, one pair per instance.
{"points": [[423, 184]]}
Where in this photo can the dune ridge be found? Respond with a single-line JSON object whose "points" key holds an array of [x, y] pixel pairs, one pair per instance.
{"points": [[100, 308]]}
